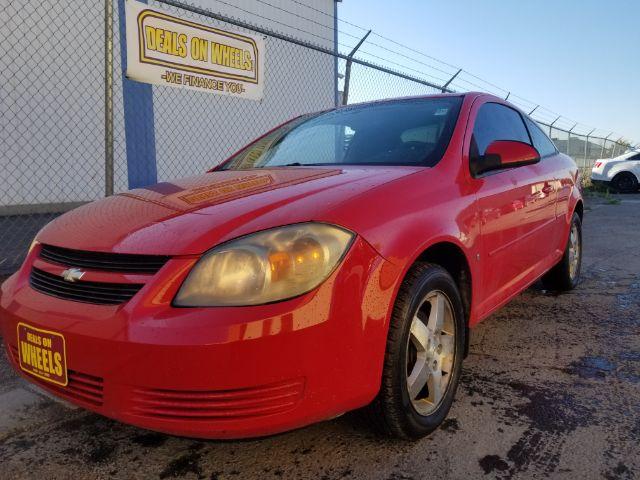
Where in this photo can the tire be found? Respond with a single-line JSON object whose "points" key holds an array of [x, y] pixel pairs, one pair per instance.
{"points": [[412, 346], [565, 275], [625, 182]]}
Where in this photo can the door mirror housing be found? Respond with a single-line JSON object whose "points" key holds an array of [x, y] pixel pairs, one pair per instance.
{"points": [[503, 154]]}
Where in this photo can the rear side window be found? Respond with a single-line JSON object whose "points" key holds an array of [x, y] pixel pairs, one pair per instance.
{"points": [[635, 157], [542, 143], [497, 122]]}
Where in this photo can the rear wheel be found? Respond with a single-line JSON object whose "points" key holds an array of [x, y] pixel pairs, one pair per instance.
{"points": [[566, 274], [424, 354], [625, 182]]}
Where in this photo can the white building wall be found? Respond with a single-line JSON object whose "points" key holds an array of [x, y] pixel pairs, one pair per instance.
{"points": [[51, 97], [297, 80], [51, 101]]}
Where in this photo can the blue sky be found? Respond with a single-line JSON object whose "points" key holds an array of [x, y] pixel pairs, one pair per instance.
{"points": [[580, 59]]}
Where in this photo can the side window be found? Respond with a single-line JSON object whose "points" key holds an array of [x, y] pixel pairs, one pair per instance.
{"points": [[635, 157], [540, 140], [496, 122]]}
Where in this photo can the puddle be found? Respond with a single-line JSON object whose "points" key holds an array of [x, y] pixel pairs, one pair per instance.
{"points": [[591, 368], [179, 467], [490, 463], [629, 356]]}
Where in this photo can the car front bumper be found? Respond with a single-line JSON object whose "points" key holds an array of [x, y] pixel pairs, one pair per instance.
{"points": [[228, 372]]}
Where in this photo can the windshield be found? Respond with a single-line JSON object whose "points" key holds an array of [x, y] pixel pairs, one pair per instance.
{"points": [[405, 132]]}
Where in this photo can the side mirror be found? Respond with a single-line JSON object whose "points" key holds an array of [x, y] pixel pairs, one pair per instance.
{"points": [[505, 154]]}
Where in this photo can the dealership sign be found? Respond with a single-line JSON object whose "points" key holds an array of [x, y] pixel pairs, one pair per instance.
{"points": [[167, 50]]}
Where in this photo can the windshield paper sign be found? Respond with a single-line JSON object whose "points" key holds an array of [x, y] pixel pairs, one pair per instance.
{"points": [[163, 49]]}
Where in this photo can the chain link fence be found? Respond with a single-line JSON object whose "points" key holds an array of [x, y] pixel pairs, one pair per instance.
{"points": [[51, 114], [584, 149], [71, 122]]}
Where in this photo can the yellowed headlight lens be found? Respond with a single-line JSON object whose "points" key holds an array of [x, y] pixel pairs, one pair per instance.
{"points": [[265, 267]]}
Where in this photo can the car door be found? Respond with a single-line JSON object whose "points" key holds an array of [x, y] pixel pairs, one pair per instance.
{"points": [[552, 165], [516, 208]]}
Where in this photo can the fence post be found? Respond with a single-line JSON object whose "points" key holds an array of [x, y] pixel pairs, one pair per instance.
{"points": [[444, 87], [586, 146], [617, 144], [569, 138], [347, 69], [552, 123], [108, 97], [604, 145]]}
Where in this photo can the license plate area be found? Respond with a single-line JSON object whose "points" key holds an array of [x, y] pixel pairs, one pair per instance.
{"points": [[42, 353]]}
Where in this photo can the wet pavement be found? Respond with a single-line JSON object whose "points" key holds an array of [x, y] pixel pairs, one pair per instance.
{"points": [[551, 389]]}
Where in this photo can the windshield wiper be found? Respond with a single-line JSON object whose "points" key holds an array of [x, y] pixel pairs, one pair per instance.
{"points": [[293, 164], [297, 164]]}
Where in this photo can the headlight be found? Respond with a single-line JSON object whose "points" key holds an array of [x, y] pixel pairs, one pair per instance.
{"points": [[265, 267]]}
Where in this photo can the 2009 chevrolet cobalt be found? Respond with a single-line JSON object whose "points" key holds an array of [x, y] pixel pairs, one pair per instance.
{"points": [[337, 262]]}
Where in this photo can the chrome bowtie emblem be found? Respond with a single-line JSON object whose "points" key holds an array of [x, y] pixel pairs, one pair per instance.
{"points": [[72, 274]]}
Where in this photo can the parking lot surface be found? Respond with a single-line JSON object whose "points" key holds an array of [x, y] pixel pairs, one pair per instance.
{"points": [[551, 388]]}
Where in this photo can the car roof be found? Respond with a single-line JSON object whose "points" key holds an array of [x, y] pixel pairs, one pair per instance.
{"points": [[628, 154], [419, 97], [472, 95]]}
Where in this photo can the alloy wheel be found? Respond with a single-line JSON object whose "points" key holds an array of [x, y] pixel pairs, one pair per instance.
{"points": [[574, 251], [430, 352]]}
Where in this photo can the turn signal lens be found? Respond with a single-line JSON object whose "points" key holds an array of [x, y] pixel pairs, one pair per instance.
{"points": [[265, 267], [34, 244]]}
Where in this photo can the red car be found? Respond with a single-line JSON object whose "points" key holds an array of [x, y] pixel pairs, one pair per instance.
{"points": [[337, 262]]}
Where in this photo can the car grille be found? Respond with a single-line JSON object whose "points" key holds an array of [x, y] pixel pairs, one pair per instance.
{"points": [[82, 387], [111, 262], [82, 291], [218, 405]]}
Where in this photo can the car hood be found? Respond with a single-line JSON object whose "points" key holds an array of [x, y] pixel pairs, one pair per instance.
{"points": [[191, 215]]}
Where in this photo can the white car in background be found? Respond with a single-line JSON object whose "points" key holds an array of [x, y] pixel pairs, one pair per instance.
{"points": [[621, 173]]}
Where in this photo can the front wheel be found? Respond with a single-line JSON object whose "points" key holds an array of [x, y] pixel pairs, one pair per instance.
{"points": [[566, 274], [424, 354]]}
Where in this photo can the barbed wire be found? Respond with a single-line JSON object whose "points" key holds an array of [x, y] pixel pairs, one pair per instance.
{"points": [[306, 32], [482, 85]]}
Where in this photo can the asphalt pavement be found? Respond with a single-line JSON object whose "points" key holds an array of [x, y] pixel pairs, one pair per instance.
{"points": [[551, 389]]}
